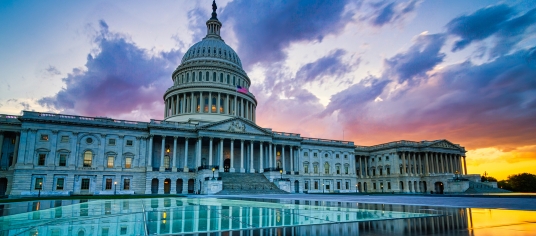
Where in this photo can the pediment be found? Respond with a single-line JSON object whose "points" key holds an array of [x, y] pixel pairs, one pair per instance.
{"points": [[444, 144], [236, 125]]}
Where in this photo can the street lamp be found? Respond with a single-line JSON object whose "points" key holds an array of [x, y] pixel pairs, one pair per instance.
{"points": [[40, 187], [115, 187], [213, 169], [281, 172], [323, 188], [356, 188]]}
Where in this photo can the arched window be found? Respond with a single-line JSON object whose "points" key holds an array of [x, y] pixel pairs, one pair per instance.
{"points": [[214, 76], [198, 103], [205, 108], [187, 77], [227, 79], [234, 80], [208, 75], [338, 169], [221, 105], [221, 77], [88, 158], [193, 77], [213, 108], [326, 168], [315, 168]]}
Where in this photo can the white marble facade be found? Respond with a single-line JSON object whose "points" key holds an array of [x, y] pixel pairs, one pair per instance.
{"points": [[209, 123]]}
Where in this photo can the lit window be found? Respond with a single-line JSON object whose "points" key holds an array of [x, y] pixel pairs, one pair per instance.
{"points": [[108, 184], [126, 184], [110, 161], [38, 183], [129, 143], [88, 158], [128, 162], [63, 160], [42, 158], [59, 183], [111, 141], [44, 137]]}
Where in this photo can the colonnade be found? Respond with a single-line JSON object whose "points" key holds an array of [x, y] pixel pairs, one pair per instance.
{"points": [[417, 163], [254, 156], [210, 103], [16, 147]]}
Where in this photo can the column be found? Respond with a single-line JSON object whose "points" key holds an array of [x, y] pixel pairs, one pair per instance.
{"points": [[403, 163], [426, 163], [443, 163], [366, 167], [150, 161], [464, 165], [231, 169], [234, 108], [199, 146], [242, 170], [459, 160], [220, 164], [419, 160], [360, 167], [219, 104], [186, 157], [283, 159], [270, 156], [436, 163], [162, 153], [16, 151], [451, 164], [291, 160], [261, 152], [210, 104], [174, 162], [252, 167], [210, 153], [413, 169], [275, 155], [226, 106]]}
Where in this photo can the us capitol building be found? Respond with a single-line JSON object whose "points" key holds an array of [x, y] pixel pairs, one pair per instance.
{"points": [[209, 143]]}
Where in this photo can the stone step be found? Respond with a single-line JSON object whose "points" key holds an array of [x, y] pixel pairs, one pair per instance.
{"points": [[247, 183]]}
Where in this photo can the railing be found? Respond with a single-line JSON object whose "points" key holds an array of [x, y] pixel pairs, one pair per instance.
{"points": [[210, 178], [319, 140], [282, 179], [284, 134], [52, 116], [271, 169], [208, 167], [173, 124]]}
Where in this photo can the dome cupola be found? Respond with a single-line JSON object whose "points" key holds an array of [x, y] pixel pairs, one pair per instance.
{"points": [[209, 85]]}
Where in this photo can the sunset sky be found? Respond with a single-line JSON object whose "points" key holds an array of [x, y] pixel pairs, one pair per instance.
{"points": [[367, 71]]}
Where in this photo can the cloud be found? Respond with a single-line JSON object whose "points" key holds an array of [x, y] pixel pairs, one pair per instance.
{"points": [[25, 106], [498, 20], [51, 71], [330, 68], [120, 80], [421, 57], [265, 29], [387, 12]]}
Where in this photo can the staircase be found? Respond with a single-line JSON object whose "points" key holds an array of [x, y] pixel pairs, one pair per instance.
{"points": [[247, 183], [476, 187]]}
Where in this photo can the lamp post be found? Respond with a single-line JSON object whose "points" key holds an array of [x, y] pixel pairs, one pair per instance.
{"points": [[356, 188], [40, 187], [213, 169], [323, 188], [115, 187], [281, 172]]}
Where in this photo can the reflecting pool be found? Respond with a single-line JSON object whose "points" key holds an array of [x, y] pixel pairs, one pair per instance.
{"points": [[212, 216]]}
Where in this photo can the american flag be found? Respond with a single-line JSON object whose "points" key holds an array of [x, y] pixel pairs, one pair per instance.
{"points": [[241, 90]]}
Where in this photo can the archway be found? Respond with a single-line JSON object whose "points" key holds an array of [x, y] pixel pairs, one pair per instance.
{"points": [[401, 186], [365, 187], [226, 165], [179, 185], [409, 187], [415, 187], [424, 186], [154, 186], [438, 186], [191, 183], [167, 186], [3, 186], [359, 187], [296, 186]]}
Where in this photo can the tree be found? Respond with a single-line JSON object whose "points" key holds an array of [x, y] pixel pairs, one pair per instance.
{"points": [[524, 182], [504, 185], [488, 179]]}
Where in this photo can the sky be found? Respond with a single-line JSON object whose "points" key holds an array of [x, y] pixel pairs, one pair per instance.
{"points": [[370, 71]]}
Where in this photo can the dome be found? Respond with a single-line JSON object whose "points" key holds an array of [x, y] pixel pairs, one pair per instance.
{"points": [[212, 48]]}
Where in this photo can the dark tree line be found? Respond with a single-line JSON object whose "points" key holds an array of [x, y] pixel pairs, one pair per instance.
{"points": [[524, 182]]}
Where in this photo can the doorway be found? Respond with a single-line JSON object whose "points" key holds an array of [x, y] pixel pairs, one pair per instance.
{"points": [[3, 186], [191, 183], [439, 187], [296, 186], [179, 185], [154, 186], [226, 165], [167, 186]]}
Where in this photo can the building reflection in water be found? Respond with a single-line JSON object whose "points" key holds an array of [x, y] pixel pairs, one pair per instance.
{"points": [[226, 217]]}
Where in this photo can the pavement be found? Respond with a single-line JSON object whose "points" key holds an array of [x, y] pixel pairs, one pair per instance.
{"points": [[470, 201]]}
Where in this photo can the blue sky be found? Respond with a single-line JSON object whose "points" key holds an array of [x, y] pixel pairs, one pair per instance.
{"points": [[380, 70]]}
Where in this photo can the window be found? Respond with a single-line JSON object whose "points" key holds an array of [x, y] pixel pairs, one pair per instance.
{"points": [[42, 158], [338, 185], [111, 141], [129, 143], [337, 156], [305, 154], [315, 154], [89, 140], [345, 156], [63, 160], [128, 162], [126, 184], [65, 139], [388, 185], [38, 183], [373, 172], [108, 185], [374, 185], [110, 162], [386, 158], [88, 158], [166, 161], [105, 231], [326, 156], [326, 168], [44, 137], [306, 185], [379, 158], [59, 183], [315, 169], [388, 171], [123, 230], [338, 169], [346, 170], [306, 169], [316, 184], [347, 185]]}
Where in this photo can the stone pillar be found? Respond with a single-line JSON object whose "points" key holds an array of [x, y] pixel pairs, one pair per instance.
{"points": [[443, 163], [426, 166], [403, 163], [185, 156], [366, 167], [162, 151], [261, 168], [16, 151], [275, 155], [174, 162], [419, 165], [150, 156], [360, 167], [231, 169], [252, 167], [201, 102], [283, 165], [291, 160], [199, 148], [270, 156], [218, 107], [210, 153], [464, 165], [220, 164], [436, 163], [242, 170], [413, 168], [210, 103]]}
